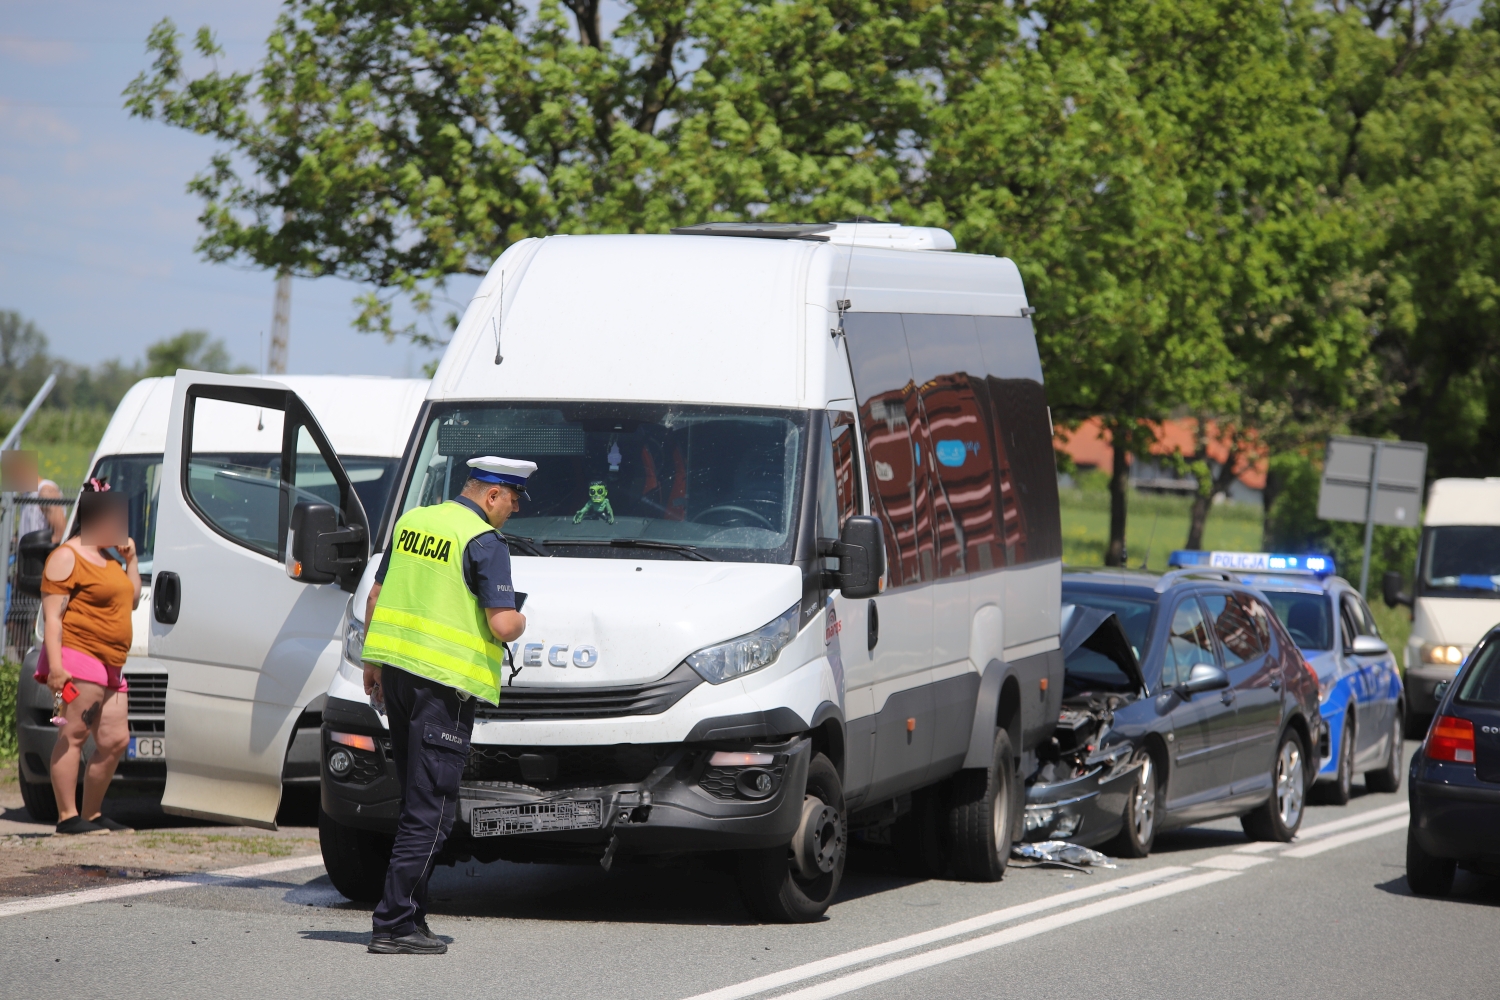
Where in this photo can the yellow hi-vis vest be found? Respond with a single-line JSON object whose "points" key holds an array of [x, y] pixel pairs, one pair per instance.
{"points": [[427, 621]]}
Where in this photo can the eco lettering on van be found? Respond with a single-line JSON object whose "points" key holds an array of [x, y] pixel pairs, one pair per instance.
{"points": [[428, 546]]}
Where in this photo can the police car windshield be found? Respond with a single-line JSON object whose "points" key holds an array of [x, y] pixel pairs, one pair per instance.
{"points": [[722, 479], [1462, 558], [1307, 617]]}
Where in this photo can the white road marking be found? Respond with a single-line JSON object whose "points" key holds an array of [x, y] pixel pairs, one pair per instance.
{"points": [[1260, 847], [227, 876], [1231, 862], [832, 964], [1353, 836], [953, 952]]}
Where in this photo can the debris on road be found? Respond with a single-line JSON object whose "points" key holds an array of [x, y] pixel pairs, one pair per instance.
{"points": [[1060, 852]]}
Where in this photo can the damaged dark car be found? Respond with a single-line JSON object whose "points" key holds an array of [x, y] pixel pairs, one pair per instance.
{"points": [[1093, 782]]}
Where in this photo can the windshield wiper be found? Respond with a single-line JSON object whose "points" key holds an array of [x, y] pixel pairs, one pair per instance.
{"points": [[525, 544], [687, 551]]}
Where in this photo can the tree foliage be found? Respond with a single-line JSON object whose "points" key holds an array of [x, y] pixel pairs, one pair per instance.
{"points": [[1278, 217]]}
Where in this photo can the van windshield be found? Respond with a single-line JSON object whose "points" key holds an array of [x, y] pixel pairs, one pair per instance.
{"points": [[139, 478], [1462, 558], [630, 480]]}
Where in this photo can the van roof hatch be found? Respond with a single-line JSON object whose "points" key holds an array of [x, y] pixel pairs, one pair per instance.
{"points": [[760, 230]]}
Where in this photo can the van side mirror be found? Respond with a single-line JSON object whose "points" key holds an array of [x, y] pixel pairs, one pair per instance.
{"points": [[860, 550], [1390, 589], [1203, 677], [314, 556]]}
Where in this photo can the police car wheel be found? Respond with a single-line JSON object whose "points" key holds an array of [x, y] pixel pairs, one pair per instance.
{"points": [[356, 860], [38, 799], [1337, 791], [797, 882], [1388, 778]]}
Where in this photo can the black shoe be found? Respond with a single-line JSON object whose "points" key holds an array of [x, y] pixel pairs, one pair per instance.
{"points": [[426, 931], [77, 824], [105, 823], [407, 944]]}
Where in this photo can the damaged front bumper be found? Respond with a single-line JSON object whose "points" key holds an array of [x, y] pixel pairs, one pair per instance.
{"points": [[552, 803], [1087, 809]]}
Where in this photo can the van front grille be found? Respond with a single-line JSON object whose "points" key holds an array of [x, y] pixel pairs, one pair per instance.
{"points": [[570, 767], [558, 703], [147, 694]]}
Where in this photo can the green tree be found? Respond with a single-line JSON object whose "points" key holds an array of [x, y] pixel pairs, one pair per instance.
{"points": [[192, 350]]}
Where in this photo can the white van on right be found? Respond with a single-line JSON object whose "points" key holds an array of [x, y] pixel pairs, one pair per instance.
{"points": [[1456, 599]]}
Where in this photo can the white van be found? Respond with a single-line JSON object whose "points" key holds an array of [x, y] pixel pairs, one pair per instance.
{"points": [[368, 419], [737, 428], [1457, 595]]}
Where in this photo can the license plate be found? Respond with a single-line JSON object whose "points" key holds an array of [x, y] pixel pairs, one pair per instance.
{"points": [[147, 748], [537, 817]]}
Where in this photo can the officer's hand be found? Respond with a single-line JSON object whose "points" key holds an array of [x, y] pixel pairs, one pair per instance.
{"points": [[372, 678], [506, 624]]}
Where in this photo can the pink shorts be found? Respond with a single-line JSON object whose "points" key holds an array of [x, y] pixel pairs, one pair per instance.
{"points": [[81, 666]]}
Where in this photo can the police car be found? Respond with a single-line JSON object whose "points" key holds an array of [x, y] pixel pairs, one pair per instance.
{"points": [[1360, 690]]}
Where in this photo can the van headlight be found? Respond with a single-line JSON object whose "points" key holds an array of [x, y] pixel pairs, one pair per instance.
{"points": [[354, 640], [1441, 654], [749, 652]]}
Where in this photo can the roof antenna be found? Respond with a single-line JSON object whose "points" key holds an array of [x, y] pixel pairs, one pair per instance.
{"points": [[843, 303], [499, 319]]}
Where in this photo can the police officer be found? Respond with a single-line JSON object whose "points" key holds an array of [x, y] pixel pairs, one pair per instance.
{"points": [[441, 604]]}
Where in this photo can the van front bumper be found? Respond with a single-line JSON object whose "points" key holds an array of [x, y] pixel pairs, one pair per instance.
{"points": [[651, 798]]}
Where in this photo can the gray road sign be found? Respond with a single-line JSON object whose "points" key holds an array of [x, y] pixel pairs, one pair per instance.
{"points": [[1370, 481]]}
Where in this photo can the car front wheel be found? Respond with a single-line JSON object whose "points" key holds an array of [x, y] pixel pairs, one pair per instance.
{"points": [[1279, 817], [1141, 808]]}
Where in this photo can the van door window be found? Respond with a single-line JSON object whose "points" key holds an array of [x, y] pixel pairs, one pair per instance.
{"points": [[233, 470], [888, 408], [1026, 465], [846, 463], [949, 370]]}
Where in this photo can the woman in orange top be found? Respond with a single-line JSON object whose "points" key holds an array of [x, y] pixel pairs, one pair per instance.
{"points": [[87, 598]]}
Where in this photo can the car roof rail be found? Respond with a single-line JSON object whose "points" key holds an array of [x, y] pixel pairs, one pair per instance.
{"points": [[1172, 578]]}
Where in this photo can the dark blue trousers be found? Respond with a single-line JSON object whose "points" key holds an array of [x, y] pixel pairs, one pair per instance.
{"points": [[430, 730]]}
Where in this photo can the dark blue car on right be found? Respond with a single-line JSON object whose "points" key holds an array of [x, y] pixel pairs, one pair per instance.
{"points": [[1455, 779]]}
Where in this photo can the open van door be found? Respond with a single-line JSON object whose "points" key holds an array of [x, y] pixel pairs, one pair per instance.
{"points": [[242, 609]]}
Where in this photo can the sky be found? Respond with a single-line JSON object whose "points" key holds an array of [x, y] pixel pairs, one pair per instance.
{"points": [[96, 226]]}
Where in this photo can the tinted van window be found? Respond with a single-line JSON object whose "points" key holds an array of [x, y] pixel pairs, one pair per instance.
{"points": [[1025, 463]]}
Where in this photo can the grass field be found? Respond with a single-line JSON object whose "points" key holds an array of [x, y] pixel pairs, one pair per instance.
{"points": [[1155, 525]]}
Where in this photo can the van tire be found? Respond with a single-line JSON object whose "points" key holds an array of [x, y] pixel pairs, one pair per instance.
{"points": [[356, 859], [772, 888], [38, 799], [982, 816]]}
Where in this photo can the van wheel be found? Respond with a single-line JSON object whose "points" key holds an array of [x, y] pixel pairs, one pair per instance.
{"points": [[1141, 809], [1279, 817], [795, 884], [1388, 778], [38, 799], [1425, 874], [982, 816], [356, 859], [1337, 791]]}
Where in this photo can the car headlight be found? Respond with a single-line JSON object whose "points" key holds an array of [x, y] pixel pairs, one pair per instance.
{"points": [[1441, 655], [354, 640], [749, 652]]}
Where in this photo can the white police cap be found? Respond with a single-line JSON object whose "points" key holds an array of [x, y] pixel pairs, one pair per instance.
{"points": [[505, 471]]}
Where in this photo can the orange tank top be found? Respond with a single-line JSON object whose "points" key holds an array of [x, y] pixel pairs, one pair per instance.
{"points": [[97, 618]]}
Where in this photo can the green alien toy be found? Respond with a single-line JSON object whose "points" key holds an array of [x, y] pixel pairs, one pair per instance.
{"points": [[598, 505]]}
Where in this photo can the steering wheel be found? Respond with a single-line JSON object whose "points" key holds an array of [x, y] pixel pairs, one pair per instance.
{"points": [[733, 509]]}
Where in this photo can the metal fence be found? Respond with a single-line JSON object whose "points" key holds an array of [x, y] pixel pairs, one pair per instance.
{"points": [[25, 541]]}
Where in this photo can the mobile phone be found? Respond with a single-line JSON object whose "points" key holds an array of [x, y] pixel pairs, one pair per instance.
{"points": [[69, 693]]}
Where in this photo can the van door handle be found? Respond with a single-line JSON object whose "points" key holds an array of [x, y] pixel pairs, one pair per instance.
{"points": [[166, 597], [872, 625]]}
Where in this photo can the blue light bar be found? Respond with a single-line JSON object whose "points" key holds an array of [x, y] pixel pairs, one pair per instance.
{"points": [[1252, 562]]}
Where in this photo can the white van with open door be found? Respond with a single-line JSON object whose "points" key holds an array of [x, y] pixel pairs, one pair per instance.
{"points": [[369, 419], [792, 555]]}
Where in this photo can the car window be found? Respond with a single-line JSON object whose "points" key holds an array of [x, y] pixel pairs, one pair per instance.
{"points": [[1187, 644], [1233, 617], [1366, 621], [1481, 684], [1348, 621], [1308, 617]]}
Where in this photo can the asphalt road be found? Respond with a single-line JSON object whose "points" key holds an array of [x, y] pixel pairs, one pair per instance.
{"points": [[1207, 915]]}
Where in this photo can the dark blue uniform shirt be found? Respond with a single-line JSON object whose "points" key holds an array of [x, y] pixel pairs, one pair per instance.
{"points": [[486, 566]]}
